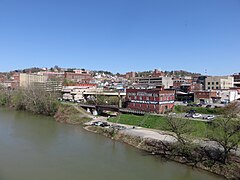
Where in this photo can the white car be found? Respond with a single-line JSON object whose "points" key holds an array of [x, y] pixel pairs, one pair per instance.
{"points": [[210, 117], [197, 115]]}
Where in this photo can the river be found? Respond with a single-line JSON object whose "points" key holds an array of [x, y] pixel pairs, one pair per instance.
{"points": [[38, 148]]}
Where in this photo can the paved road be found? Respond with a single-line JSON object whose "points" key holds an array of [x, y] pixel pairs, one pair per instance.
{"points": [[164, 136]]}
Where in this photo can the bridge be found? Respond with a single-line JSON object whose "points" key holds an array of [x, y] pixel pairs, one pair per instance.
{"points": [[119, 94], [103, 93], [98, 109]]}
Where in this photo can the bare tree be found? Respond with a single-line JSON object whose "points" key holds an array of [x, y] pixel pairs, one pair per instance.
{"points": [[226, 132], [180, 127]]}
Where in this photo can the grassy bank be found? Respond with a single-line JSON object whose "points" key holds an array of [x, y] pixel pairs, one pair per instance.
{"points": [[202, 110], [71, 115], [198, 157], [159, 123]]}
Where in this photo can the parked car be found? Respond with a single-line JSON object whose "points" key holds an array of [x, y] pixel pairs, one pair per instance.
{"points": [[188, 115], [209, 117], [191, 111], [118, 127], [104, 124], [208, 106], [197, 115]]}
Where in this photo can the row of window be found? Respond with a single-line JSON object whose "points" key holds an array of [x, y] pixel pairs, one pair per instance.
{"points": [[162, 98], [154, 106], [213, 83], [213, 87]]}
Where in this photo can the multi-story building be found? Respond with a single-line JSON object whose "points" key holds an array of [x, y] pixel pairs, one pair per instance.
{"points": [[200, 80], [218, 82], [166, 82], [29, 79], [78, 77], [130, 75], [236, 80], [39, 81], [76, 92], [56, 76], [150, 100], [187, 88], [206, 96]]}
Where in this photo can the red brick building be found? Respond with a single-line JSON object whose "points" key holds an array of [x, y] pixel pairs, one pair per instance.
{"points": [[150, 100], [206, 96], [77, 77]]}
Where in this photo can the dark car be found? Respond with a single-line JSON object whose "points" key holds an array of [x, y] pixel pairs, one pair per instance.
{"points": [[191, 111], [104, 124], [188, 115], [208, 106]]}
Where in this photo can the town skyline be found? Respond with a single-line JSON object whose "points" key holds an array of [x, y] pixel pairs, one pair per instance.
{"points": [[118, 72], [121, 36]]}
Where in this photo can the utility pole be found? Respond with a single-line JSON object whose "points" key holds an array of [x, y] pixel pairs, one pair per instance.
{"points": [[119, 100]]}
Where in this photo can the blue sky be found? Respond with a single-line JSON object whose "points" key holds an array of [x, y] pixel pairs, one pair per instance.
{"points": [[121, 35]]}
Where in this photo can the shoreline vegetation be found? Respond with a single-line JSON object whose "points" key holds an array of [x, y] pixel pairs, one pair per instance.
{"points": [[225, 132]]}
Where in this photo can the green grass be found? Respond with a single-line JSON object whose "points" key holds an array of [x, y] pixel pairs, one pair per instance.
{"points": [[158, 122], [202, 110], [147, 121]]}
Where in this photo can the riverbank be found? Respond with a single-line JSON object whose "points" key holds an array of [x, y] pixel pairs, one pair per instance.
{"points": [[50, 150], [163, 143], [152, 141]]}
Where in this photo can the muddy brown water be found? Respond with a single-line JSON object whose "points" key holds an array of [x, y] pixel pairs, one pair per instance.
{"points": [[38, 148]]}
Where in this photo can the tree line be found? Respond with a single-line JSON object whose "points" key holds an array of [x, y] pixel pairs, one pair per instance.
{"points": [[32, 99]]}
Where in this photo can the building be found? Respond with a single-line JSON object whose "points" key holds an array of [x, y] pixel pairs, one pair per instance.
{"points": [[206, 96], [200, 80], [218, 82], [59, 76], [130, 75], [228, 95], [75, 92], [187, 88], [29, 79], [78, 76], [155, 100], [39, 81], [157, 73], [236, 80], [166, 82]]}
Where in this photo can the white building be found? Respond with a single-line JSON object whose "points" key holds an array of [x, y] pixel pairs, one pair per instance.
{"points": [[167, 82], [218, 82]]}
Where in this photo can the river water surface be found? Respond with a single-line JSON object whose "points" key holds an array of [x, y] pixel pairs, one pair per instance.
{"points": [[38, 148]]}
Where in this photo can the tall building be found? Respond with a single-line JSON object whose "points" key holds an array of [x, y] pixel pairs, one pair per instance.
{"points": [[218, 82], [28, 79]]}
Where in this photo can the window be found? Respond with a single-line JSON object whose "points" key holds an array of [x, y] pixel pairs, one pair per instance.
{"points": [[216, 83], [208, 83], [208, 87], [217, 87], [212, 83]]}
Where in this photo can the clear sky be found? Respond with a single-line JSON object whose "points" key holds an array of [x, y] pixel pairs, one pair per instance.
{"points": [[121, 35]]}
